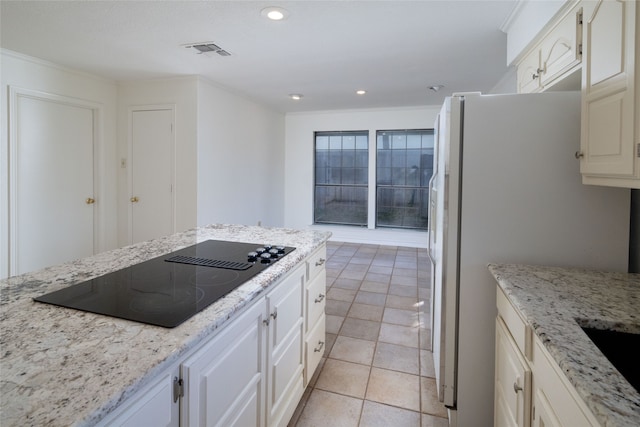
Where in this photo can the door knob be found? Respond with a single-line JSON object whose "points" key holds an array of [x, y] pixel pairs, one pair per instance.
{"points": [[516, 387], [90, 201], [134, 199]]}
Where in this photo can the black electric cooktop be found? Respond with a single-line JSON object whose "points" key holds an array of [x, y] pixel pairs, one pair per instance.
{"points": [[167, 290]]}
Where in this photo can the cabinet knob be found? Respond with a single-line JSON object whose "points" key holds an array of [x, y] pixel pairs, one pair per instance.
{"points": [[134, 199], [534, 76], [320, 298], [274, 314], [579, 155], [320, 262], [516, 387], [90, 201]]}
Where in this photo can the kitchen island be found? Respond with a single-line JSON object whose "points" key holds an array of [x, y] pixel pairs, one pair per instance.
{"points": [[61, 366], [556, 303]]}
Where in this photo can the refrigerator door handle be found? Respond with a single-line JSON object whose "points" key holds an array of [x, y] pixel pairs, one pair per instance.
{"points": [[432, 202]]}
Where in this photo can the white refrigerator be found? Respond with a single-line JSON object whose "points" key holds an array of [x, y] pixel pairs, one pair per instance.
{"points": [[506, 188]]}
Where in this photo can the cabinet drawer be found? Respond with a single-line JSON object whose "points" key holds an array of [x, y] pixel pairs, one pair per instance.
{"points": [[314, 348], [316, 262], [518, 328], [316, 299]]}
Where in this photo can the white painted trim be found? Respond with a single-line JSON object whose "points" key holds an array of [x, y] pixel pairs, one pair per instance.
{"points": [[378, 236], [360, 110], [150, 107], [97, 111], [45, 63]]}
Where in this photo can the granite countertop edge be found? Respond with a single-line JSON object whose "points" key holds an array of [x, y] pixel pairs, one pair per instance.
{"points": [[35, 355], [556, 302]]}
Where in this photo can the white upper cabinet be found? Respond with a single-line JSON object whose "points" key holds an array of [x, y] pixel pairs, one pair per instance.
{"points": [[555, 56], [610, 119]]}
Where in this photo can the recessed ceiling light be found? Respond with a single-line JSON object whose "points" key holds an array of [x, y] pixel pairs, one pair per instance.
{"points": [[275, 13], [361, 92], [296, 96]]}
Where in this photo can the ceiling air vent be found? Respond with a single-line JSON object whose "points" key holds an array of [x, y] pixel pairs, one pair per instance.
{"points": [[208, 47]]}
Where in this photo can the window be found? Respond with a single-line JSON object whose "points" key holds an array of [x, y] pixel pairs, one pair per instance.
{"points": [[341, 177], [403, 167]]}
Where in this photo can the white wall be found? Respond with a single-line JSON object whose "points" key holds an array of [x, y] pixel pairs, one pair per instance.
{"points": [[34, 74], [182, 93], [299, 155], [240, 160], [526, 21]]}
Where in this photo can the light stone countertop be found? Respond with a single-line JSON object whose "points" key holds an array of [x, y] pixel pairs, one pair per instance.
{"points": [[63, 367], [556, 302]]}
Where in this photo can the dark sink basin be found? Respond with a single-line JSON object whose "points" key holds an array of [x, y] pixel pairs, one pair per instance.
{"points": [[622, 350]]}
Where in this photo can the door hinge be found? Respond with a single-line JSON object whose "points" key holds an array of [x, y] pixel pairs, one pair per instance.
{"points": [[178, 389]]}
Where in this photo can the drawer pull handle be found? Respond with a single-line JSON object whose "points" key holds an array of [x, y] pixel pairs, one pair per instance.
{"points": [[516, 387], [319, 348], [320, 262], [274, 314], [320, 298]]}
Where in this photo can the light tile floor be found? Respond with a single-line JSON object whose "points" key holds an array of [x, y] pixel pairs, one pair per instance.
{"points": [[377, 368]]}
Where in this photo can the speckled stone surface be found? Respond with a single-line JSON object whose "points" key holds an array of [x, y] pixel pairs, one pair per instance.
{"points": [[556, 302], [63, 367]]}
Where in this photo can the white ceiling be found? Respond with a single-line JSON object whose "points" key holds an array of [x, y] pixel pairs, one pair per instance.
{"points": [[324, 50]]}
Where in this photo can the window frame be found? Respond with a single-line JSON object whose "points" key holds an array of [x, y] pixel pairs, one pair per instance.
{"points": [[365, 186]]}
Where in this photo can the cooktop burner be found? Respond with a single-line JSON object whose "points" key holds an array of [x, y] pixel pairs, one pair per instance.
{"points": [[167, 290]]}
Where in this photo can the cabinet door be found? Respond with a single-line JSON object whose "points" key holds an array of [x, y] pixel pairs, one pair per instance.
{"points": [[556, 402], [607, 141], [153, 406], [285, 348], [543, 415], [559, 50], [225, 379], [528, 73], [512, 382]]}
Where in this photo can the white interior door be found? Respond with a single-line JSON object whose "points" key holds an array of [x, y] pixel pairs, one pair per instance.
{"points": [[151, 174], [52, 192]]}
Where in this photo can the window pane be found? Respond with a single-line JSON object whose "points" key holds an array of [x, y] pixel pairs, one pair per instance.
{"points": [[404, 165], [362, 142], [342, 161], [349, 142], [322, 143], [414, 141]]}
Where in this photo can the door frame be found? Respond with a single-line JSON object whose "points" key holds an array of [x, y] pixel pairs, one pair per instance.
{"points": [[97, 111], [129, 163]]}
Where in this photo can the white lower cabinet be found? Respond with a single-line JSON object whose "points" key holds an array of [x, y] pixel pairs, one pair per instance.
{"points": [[250, 373], [314, 348], [315, 300], [530, 388], [153, 406], [512, 404], [224, 382], [285, 348]]}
